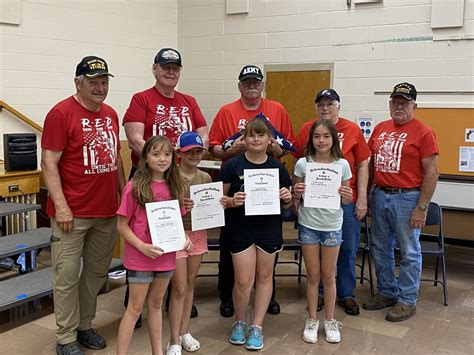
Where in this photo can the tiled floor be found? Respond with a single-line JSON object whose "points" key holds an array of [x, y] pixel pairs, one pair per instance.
{"points": [[435, 329]]}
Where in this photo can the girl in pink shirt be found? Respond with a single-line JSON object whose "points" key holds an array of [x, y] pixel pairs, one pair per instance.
{"points": [[149, 269]]}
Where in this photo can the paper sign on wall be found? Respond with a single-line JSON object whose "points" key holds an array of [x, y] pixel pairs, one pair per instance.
{"points": [[466, 159], [469, 135], [366, 125]]}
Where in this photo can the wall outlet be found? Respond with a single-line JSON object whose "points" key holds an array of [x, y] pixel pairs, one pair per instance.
{"points": [[13, 188]]}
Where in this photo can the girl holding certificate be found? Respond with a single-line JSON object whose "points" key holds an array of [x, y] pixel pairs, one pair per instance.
{"points": [[255, 239], [320, 229], [149, 269], [190, 150]]}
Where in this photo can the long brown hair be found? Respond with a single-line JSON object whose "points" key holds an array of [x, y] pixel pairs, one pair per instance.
{"points": [[141, 191], [335, 149]]}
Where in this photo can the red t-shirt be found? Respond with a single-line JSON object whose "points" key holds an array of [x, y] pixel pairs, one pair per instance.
{"points": [[164, 116], [397, 151], [234, 116], [90, 144], [353, 146]]}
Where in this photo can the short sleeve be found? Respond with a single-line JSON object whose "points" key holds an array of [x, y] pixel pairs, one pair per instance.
{"points": [[362, 151], [346, 171], [198, 118], [428, 145], [300, 168], [54, 135], [136, 111], [285, 180], [216, 136], [226, 172], [128, 205]]}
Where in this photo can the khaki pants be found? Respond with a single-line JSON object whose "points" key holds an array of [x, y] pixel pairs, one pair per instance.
{"points": [[75, 291]]}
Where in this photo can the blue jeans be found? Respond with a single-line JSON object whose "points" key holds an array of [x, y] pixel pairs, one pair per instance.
{"points": [[346, 261], [391, 223]]}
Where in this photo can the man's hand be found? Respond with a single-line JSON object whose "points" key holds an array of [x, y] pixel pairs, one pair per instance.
{"points": [[360, 207], [418, 218], [64, 219], [277, 149], [237, 147]]}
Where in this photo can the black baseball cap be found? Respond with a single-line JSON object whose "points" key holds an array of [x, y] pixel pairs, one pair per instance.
{"points": [[250, 72], [329, 93], [92, 66], [168, 56], [405, 90]]}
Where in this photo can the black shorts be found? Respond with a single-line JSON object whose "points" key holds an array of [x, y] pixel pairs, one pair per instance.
{"points": [[268, 248]]}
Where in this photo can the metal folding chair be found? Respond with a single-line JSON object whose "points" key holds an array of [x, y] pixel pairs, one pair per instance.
{"points": [[436, 248]]}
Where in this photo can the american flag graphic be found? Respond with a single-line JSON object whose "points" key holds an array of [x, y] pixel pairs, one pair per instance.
{"points": [[100, 147], [171, 121], [389, 154]]}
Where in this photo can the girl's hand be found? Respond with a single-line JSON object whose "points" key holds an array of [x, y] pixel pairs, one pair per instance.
{"points": [[346, 193], [188, 204], [226, 201], [188, 245], [150, 250], [285, 195], [239, 198], [298, 190]]}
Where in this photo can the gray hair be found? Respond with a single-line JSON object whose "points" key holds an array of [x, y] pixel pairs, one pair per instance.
{"points": [[80, 78]]}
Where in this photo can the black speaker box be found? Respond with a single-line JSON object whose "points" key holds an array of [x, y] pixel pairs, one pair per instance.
{"points": [[19, 150]]}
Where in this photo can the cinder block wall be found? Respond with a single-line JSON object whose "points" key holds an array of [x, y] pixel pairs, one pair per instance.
{"points": [[38, 56], [373, 46]]}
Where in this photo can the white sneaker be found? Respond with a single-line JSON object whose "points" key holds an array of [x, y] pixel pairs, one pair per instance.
{"points": [[174, 349], [189, 343], [331, 327], [310, 333]]}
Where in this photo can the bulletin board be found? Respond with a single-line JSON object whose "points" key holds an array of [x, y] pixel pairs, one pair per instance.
{"points": [[450, 126]]}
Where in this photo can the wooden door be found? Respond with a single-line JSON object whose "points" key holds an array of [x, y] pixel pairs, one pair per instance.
{"points": [[296, 91]]}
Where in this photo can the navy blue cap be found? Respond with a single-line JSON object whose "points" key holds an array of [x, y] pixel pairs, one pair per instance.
{"points": [[330, 93]]}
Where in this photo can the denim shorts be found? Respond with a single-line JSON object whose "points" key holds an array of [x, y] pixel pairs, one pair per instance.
{"points": [[146, 277], [310, 236]]}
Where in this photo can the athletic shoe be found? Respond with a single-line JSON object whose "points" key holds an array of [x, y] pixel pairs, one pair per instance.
{"points": [[255, 339], [310, 333], [331, 328], [237, 334]]}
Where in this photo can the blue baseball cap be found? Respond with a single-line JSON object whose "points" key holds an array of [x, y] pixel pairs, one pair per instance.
{"points": [[188, 141]]}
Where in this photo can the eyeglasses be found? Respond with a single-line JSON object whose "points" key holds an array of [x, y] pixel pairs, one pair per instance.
{"points": [[171, 68], [402, 103], [329, 106]]}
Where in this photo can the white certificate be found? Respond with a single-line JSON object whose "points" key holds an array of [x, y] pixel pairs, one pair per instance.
{"points": [[262, 196], [207, 211], [166, 225], [322, 182]]}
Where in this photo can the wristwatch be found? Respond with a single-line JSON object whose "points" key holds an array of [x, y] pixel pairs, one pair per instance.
{"points": [[422, 206]]}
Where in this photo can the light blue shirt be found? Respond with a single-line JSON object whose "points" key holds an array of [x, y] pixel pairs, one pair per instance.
{"points": [[321, 219]]}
